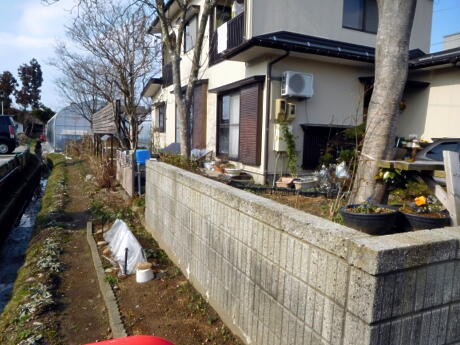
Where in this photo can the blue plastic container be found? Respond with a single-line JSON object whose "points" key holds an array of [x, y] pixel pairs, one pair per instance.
{"points": [[142, 156]]}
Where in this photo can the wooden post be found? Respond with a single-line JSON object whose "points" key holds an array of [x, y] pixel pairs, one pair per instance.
{"points": [[452, 168], [111, 152]]}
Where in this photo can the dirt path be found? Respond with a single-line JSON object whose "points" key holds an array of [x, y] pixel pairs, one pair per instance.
{"points": [[83, 318]]}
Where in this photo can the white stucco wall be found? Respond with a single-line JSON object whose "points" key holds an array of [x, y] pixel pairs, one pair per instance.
{"points": [[337, 100], [324, 19], [433, 112]]}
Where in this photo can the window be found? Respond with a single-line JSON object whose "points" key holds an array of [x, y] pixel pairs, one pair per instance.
{"points": [[222, 14], [161, 113], [239, 124], [229, 125], [360, 15], [190, 33]]}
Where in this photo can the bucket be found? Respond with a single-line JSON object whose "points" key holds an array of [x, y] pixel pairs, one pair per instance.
{"points": [[144, 275]]}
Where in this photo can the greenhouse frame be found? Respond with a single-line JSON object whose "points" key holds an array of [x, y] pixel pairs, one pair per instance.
{"points": [[66, 125]]}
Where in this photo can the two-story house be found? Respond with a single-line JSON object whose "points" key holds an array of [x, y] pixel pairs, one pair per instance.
{"points": [[315, 57]]}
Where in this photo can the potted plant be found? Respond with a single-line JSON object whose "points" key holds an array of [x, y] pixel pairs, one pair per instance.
{"points": [[285, 182], [425, 213], [370, 218], [231, 170]]}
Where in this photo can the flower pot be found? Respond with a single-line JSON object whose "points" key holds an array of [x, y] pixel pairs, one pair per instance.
{"points": [[420, 221], [144, 275], [232, 172], [285, 182], [306, 183], [369, 223]]}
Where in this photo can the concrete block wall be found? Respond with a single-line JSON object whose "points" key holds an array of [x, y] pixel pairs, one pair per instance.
{"points": [[280, 276], [125, 173]]}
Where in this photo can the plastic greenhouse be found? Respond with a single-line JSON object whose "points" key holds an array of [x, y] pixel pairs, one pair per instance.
{"points": [[66, 125]]}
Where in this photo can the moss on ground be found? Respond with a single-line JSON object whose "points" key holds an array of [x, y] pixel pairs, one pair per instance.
{"points": [[55, 197], [28, 317]]}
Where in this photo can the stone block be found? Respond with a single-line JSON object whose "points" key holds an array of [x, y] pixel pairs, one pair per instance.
{"points": [[292, 329], [327, 320], [453, 327], [304, 263], [383, 254], [310, 307], [318, 314], [364, 295], [456, 282], [290, 254], [295, 299], [264, 210], [307, 335], [420, 288], [358, 332], [302, 294], [320, 232], [299, 333], [276, 317], [313, 268], [337, 325]]}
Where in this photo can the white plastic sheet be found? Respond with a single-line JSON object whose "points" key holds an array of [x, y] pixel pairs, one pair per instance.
{"points": [[119, 237]]}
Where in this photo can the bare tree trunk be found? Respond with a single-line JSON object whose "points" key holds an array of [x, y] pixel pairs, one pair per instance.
{"points": [[391, 66], [174, 47]]}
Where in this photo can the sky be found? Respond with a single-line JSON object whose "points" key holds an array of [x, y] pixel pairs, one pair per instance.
{"points": [[29, 29]]}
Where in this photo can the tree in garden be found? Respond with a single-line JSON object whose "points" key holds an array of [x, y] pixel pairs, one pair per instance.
{"points": [[115, 57], [31, 79], [8, 86], [172, 43], [391, 68], [83, 82], [42, 113]]}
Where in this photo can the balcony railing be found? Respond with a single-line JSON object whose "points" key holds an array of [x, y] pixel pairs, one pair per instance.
{"points": [[225, 38], [235, 31], [167, 74]]}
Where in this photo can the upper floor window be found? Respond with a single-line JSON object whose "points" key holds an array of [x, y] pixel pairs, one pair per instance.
{"points": [[222, 14], [190, 33], [360, 15]]}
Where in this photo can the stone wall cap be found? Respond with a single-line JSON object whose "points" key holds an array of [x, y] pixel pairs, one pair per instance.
{"points": [[382, 254]]}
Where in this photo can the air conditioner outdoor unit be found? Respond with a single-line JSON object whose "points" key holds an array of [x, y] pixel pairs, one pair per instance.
{"points": [[296, 84]]}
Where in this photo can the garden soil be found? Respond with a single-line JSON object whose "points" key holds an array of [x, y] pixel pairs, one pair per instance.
{"points": [[168, 306]]}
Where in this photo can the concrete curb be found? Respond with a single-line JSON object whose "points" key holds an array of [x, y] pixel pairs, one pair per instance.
{"points": [[118, 329]]}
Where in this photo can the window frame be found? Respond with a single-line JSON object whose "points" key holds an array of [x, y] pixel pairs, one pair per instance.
{"points": [[222, 124], [161, 116], [363, 20], [194, 19]]}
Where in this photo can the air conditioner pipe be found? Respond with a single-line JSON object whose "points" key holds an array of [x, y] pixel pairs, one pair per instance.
{"points": [[268, 108]]}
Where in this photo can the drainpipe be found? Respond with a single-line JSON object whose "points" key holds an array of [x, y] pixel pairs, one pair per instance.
{"points": [[268, 108]]}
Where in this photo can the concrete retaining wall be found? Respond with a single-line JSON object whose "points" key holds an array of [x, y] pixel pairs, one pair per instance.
{"points": [[277, 275]]}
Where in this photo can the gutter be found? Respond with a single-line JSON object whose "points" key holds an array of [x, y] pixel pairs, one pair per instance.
{"points": [[268, 108]]}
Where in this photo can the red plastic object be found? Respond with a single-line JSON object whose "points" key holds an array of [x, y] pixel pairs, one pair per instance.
{"points": [[135, 340]]}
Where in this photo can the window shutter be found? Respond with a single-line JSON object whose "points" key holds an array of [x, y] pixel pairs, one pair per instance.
{"points": [[199, 116], [250, 124]]}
